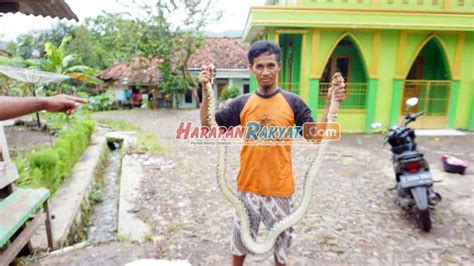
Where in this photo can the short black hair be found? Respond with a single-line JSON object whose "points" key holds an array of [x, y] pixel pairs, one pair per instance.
{"points": [[263, 47]]}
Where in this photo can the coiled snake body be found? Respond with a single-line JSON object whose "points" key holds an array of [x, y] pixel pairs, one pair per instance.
{"points": [[230, 195]]}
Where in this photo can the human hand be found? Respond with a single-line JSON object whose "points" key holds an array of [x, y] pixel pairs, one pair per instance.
{"points": [[338, 85], [207, 74], [63, 104]]}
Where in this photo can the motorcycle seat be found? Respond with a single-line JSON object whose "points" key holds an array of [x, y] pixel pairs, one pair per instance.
{"points": [[408, 156], [404, 148]]}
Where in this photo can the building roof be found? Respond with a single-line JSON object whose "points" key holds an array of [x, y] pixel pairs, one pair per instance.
{"points": [[224, 53], [138, 70], [5, 53], [45, 8]]}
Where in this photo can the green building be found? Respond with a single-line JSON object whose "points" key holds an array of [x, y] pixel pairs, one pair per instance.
{"points": [[388, 50]]}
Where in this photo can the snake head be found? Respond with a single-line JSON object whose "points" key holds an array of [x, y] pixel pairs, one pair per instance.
{"points": [[337, 79], [212, 70]]}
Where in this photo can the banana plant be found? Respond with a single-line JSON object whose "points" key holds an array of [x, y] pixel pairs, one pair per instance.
{"points": [[59, 62]]}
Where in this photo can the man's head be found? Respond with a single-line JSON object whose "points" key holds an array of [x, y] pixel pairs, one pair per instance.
{"points": [[264, 62]]}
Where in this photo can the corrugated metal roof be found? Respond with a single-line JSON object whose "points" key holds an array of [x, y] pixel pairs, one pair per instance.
{"points": [[45, 8]]}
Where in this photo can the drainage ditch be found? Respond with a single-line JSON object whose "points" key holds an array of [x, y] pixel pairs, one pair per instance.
{"points": [[104, 219]]}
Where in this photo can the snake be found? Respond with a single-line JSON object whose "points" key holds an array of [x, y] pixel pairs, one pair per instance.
{"points": [[260, 247]]}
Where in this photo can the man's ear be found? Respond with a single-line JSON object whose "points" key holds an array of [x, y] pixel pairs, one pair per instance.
{"points": [[250, 67]]}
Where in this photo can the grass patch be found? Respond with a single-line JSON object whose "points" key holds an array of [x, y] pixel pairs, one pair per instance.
{"points": [[146, 142], [49, 166], [124, 238]]}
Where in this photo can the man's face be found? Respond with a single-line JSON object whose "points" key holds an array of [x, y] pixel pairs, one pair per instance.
{"points": [[265, 68]]}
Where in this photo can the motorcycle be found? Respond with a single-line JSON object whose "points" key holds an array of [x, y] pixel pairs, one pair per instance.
{"points": [[414, 180]]}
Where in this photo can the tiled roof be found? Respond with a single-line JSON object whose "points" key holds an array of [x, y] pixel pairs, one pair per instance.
{"points": [[139, 70], [227, 53], [224, 53]]}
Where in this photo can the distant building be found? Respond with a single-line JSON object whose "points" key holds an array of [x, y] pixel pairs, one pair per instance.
{"points": [[387, 50], [141, 77], [5, 53]]}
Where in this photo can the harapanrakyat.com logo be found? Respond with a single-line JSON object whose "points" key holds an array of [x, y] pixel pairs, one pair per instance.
{"points": [[256, 134]]}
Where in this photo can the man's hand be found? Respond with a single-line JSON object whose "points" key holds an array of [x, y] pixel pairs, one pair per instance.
{"points": [[204, 76], [63, 103], [338, 85]]}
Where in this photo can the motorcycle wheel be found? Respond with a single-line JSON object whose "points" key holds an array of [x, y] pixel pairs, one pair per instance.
{"points": [[425, 220]]}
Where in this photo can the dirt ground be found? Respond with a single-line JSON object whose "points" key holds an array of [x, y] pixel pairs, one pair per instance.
{"points": [[22, 140], [353, 219]]}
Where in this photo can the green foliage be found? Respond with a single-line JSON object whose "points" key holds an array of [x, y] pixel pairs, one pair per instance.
{"points": [[229, 92], [96, 196], [44, 166], [26, 45], [101, 102], [48, 167], [12, 48], [33, 42], [57, 60], [116, 37]]}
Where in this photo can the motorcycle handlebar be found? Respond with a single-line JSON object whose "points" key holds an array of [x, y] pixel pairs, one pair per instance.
{"points": [[412, 117], [419, 113]]}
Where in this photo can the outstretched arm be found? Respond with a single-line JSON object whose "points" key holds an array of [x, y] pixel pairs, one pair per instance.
{"points": [[11, 107]]}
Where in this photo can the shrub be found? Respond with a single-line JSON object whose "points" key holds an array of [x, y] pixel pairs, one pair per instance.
{"points": [[229, 92], [48, 167], [101, 102], [44, 166]]}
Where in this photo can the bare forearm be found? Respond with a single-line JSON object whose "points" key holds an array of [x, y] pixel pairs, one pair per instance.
{"points": [[204, 110], [11, 107]]}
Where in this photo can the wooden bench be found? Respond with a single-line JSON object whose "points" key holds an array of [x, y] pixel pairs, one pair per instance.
{"points": [[18, 210]]}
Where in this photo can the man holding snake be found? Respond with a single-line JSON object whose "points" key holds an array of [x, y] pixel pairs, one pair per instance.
{"points": [[265, 182]]}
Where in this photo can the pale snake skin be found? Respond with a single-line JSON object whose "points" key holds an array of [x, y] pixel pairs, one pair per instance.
{"points": [[231, 196]]}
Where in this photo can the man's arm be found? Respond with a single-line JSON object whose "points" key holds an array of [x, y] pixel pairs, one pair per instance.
{"points": [[204, 110], [204, 79], [11, 107], [340, 94]]}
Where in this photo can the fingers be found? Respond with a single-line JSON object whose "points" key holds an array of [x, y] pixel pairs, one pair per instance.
{"points": [[71, 110], [76, 99], [205, 74], [340, 94]]}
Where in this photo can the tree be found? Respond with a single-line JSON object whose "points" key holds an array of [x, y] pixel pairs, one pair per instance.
{"points": [[88, 49], [25, 45], [189, 35], [12, 48], [175, 43], [58, 61], [116, 36], [31, 44]]}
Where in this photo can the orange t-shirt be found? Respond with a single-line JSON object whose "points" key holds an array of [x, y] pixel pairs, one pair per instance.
{"points": [[265, 170]]}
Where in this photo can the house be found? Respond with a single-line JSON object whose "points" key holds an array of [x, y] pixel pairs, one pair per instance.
{"points": [[142, 77], [132, 81], [387, 50], [5, 53], [229, 56]]}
